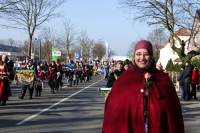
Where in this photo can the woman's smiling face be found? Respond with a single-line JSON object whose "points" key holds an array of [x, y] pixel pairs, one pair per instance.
{"points": [[142, 58]]}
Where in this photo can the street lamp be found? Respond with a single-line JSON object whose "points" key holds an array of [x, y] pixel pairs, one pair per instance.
{"points": [[38, 40], [33, 51]]}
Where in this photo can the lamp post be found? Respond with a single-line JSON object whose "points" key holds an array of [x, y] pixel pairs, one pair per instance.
{"points": [[33, 51], [39, 49], [81, 50]]}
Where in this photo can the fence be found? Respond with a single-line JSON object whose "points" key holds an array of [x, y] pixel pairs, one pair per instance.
{"points": [[174, 77]]}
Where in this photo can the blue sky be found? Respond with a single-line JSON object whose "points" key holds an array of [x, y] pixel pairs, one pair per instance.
{"points": [[101, 19]]}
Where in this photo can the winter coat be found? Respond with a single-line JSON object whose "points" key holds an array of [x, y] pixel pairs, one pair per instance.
{"points": [[187, 77], [195, 77], [124, 108], [113, 77], [180, 78]]}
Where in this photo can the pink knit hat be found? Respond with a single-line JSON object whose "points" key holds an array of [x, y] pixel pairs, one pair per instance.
{"points": [[4, 56], [144, 44]]}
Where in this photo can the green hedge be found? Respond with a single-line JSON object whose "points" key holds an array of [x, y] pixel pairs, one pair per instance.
{"points": [[177, 67], [173, 67]]}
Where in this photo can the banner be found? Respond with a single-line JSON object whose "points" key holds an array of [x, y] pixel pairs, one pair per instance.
{"points": [[54, 54], [25, 77]]}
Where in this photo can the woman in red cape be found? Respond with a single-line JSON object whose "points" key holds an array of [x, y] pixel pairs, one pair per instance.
{"points": [[139, 104], [5, 91]]}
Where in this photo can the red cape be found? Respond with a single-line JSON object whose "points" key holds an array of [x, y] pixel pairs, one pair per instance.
{"points": [[124, 111]]}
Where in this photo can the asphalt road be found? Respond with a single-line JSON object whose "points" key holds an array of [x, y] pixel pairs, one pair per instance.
{"points": [[76, 109]]}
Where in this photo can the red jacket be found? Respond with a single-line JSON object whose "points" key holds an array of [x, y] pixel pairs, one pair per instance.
{"points": [[124, 108], [195, 77], [41, 75]]}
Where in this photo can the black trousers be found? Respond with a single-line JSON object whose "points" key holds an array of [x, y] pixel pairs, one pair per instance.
{"points": [[187, 90], [38, 90], [51, 83], [58, 82], [194, 91], [24, 89]]}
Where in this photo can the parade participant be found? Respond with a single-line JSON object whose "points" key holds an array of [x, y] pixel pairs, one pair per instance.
{"points": [[17, 64], [90, 71], [181, 83], [126, 61], [44, 68], [59, 74], [95, 70], [126, 66], [5, 91], [39, 81], [10, 69], [70, 65], [115, 75], [30, 87], [198, 86], [106, 71], [26, 60], [194, 82], [143, 99], [187, 78], [51, 77], [86, 69]]}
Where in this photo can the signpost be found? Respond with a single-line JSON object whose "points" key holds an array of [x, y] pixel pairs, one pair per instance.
{"points": [[77, 56], [55, 53]]}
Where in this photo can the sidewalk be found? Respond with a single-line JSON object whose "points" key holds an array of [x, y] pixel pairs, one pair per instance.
{"points": [[191, 114]]}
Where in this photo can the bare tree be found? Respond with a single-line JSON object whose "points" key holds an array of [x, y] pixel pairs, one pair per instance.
{"points": [[130, 52], [3, 41], [99, 50], [112, 52], [5, 4], [191, 9], [11, 42], [87, 49], [67, 36], [23, 48], [157, 37], [75, 49], [84, 42], [28, 15], [165, 13], [47, 38], [187, 12]]}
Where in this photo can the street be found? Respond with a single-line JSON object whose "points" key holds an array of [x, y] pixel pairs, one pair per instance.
{"points": [[70, 110], [76, 109]]}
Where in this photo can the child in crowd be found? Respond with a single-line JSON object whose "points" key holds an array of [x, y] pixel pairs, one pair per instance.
{"points": [[51, 76], [39, 81]]}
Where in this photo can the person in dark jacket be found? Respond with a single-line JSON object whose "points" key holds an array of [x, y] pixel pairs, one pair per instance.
{"points": [[181, 83], [59, 74], [187, 78], [30, 87], [115, 75], [126, 66]]}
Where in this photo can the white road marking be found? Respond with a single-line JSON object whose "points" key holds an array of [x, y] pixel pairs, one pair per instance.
{"points": [[44, 110]]}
